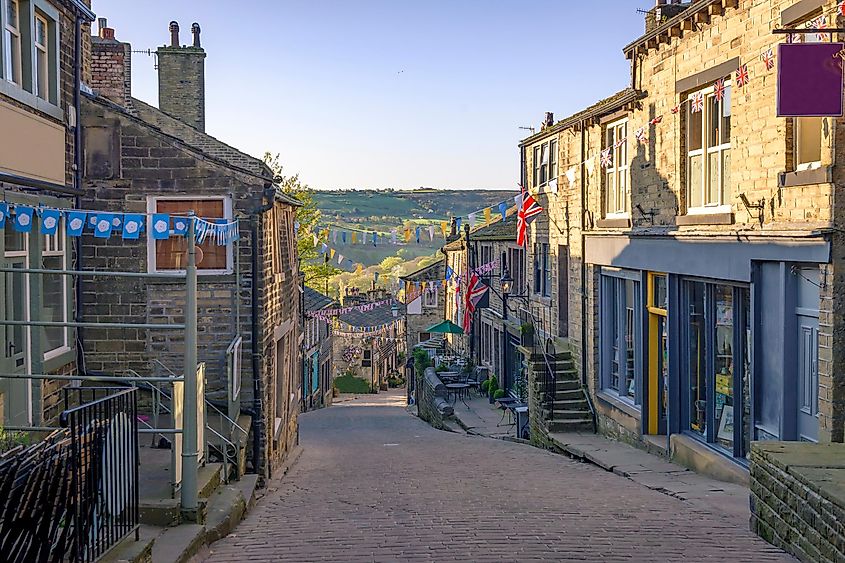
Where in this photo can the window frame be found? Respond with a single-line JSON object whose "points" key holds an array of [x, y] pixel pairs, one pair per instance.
{"points": [[545, 168], [542, 270], [44, 50], [25, 89], [722, 205], [67, 301], [430, 296], [619, 168], [152, 266], [15, 39], [611, 320]]}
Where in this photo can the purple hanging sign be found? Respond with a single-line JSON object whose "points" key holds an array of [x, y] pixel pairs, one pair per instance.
{"points": [[810, 80]]}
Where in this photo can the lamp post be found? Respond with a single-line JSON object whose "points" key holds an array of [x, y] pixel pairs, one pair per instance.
{"points": [[507, 284]]}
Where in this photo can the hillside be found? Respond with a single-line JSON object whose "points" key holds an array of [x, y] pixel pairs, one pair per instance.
{"points": [[385, 210]]}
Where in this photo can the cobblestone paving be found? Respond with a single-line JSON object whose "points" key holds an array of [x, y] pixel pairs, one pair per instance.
{"points": [[375, 484]]}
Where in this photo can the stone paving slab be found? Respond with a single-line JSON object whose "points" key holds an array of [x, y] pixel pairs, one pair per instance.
{"points": [[375, 484]]}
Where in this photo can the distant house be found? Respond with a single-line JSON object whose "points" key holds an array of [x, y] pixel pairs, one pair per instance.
{"points": [[369, 341], [143, 159], [424, 301], [317, 351]]}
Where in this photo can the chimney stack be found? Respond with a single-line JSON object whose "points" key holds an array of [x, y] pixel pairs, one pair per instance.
{"points": [[111, 66], [662, 11], [181, 78]]}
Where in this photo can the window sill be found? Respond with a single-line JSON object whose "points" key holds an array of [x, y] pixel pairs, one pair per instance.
{"points": [[58, 358], [20, 95], [705, 219], [614, 223], [805, 177], [611, 398]]}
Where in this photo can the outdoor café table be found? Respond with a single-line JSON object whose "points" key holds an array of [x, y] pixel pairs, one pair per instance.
{"points": [[449, 376], [458, 390], [505, 403]]}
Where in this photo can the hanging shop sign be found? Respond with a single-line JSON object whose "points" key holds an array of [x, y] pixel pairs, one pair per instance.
{"points": [[810, 80]]}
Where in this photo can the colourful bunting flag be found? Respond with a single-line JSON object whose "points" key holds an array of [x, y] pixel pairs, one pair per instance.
{"points": [[331, 253], [75, 223], [488, 213], [503, 209], [180, 226], [431, 232], [160, 226], [132, 225], [471, 218], [104, 225], [4, 212], [23, 218], [354, 237], [50, 221]]}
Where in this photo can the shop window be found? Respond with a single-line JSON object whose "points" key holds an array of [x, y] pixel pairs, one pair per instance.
{"points": [[367, 359], [616, 173], [808, 143], [171, 254], [718, 364], [424, 336], [708, 165], [620, 314]]}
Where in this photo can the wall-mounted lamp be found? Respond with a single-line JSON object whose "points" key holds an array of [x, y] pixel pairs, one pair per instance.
{"points": [[758, 207]]}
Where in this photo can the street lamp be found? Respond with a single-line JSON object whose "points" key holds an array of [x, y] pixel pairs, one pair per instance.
{"points": [[394, 309], [507, 283]]}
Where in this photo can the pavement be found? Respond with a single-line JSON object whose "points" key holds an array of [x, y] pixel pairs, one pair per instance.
{"points": [[376, 484]]}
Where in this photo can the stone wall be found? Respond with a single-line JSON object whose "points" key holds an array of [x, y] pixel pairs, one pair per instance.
{"points": [[433, 406], [797, 498]]}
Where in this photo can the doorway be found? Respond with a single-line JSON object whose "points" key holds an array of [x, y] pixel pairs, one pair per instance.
{"points": [[658, 353], [16, 349]]}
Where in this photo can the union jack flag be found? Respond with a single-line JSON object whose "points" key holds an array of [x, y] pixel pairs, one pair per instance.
{"points": [[742, 77], [640, 135], [841, 8], [697, 103], [475, 291], [528, 211], [821, 23], [719, 90], [606, 158], [768, 58], [656, 120], [676, 109]]}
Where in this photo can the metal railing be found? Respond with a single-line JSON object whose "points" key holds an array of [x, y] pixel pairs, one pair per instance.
{"points": [[103, 469], [549, 381]]}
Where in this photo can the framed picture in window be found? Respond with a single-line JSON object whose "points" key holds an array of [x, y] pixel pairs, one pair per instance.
{"points": [[726, 423]]}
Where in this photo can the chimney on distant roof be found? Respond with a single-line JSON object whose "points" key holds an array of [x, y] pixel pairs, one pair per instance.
{"points": [[662, 11], [548, 119], [111, 65], [181, 78]]}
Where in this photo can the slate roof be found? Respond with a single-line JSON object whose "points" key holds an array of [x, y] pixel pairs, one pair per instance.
{"points": [[435, 271], [496, 230], [377, 317], [210, 147], [314, 300]]}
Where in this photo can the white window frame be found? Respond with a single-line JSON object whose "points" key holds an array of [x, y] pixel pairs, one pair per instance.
{"points": [[50, 250], [547, 166], [151, 247], [810, 165], [722, 205], [430, 296], [618, 170], [11, 38], [41, 72]]}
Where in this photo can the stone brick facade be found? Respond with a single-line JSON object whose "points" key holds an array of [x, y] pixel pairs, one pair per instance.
{"points": [[422, 311], [796, 498], [136, 155], [786, 237], [181, 79]]}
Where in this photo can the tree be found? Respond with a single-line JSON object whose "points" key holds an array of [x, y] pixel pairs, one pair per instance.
{"points": [[317, 271]]}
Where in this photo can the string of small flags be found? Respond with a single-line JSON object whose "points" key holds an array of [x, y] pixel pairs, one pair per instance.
{"points": [[351, 330], [103, 224], [451, 276], [742, 78], [366, 307]]}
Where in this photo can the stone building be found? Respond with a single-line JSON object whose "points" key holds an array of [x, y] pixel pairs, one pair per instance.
{"points": [[42, 67], [694, 229], [424, 302], [141, 159], [318, 344]]}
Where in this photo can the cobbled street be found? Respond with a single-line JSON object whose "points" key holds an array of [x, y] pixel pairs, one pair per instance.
{"points": [[376, 484]]}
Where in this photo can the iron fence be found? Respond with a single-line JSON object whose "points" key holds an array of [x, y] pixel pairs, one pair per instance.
{"points": [[103, 469]]}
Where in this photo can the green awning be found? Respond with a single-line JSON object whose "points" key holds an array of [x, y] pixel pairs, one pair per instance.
{"points": [[446, 327]]}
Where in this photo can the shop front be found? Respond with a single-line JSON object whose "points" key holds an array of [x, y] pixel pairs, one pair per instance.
{"points": [[678, 326]]}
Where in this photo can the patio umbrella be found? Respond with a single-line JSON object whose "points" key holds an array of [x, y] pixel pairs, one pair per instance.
{"points": [[446, 327]]}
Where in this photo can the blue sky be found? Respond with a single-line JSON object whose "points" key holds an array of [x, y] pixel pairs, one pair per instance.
{"points": [[389, 93]]}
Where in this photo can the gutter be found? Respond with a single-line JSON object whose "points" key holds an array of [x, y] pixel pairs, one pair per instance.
{"points": [[77, 180], [44, 185], [257, 383]]}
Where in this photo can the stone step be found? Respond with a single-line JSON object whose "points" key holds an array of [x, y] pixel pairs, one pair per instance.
{"points": [[571, 425], [578, 404], [570, 395], [130, 551], [179, 544], [568, 414]]}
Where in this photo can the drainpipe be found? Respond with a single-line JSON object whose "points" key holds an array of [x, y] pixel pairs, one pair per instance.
{"points": [[257, 383], [583, 259], [77, 184], [470, 265]]}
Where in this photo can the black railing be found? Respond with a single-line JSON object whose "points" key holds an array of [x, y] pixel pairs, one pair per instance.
{"points": [[541, 332], [103, 469]]}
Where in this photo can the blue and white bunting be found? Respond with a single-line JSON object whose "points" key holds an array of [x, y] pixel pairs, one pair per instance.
{"points": [[4, 212], [132, 226], [104, 225], [75, 223], [160, 226], [180, 226], [23, 218], [50, 221]]}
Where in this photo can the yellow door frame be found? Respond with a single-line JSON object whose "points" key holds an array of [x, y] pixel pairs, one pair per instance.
{"points": [[654, 387]]}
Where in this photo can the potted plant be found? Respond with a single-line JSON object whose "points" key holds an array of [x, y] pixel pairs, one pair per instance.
{"points": [[499, 394], [492, 387], [485, 385], [526, 331]]}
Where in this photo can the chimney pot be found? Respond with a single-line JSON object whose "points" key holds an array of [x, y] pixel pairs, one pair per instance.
{"points": [[102, 22], [174, 34], [549, 119], [195, 29]]}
